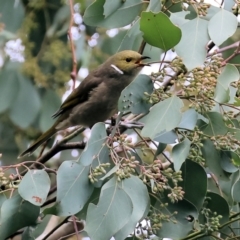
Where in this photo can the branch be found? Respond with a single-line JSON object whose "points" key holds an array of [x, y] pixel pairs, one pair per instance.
{"points": [[60, 146], [235, 53], [142, 46], [234, 45], [74, 59]]}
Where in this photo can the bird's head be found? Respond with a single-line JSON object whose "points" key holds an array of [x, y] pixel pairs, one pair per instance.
{"points": [[128, 61]]}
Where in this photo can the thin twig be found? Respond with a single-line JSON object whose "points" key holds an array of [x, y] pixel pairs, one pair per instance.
{"points": [[55, 228], [235, 53], [142, 46], [234, 45], [75, 227]]}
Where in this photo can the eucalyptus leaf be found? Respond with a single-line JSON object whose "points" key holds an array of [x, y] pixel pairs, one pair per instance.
{"points": [[12, 14], [18, 211], [159, 31], [112, 212], [73, 188], [96, 149], [192, 46], [34, 187], [227, 161], [212, 157], [94, 14], [183, 209], [180, 152], [165, 115], [194, 183], [216, 125], [138, 193], [228, 75], [222, 26], [27, 103], [189, 119], [132, 97], [179, 18]]}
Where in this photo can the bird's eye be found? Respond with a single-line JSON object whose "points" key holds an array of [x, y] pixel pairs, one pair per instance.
{"points": [[128, 59]]}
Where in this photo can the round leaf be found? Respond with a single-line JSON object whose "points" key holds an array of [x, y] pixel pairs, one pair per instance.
{"points": [[95, 150], [27, 103], [35, 186], [94, 14], [194, 183], [138, 193], [180, 152], [8, 88], [165, 115], [222, 26], [228, 75], [192, 47], [132, 97], [159, 31], [112, 212], [16, 214], [73, 188]]}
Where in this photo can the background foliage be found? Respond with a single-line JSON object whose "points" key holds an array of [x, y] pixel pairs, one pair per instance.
{"points": [[172, 167]]}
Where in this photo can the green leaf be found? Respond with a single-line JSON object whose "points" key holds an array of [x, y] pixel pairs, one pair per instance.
{"points": [[192, 47], [111, 6], [138, 193], [152, 52], [180, 152], [216, 125], [189, 119], [237, 101], [73, 188], [228, 75], [166, 137], [218, 204], [112, 212], [94, 14], [235, 189], [229, 4], [154, 5], [222, 26], [12, 14], [194, 183], [165, 115], [16, 213], [179, 18], [227, 161], [131, 38], [159, 31], [3, 198], [51, 101], [212, 157], [8, 86], [132, 97], [27, 103], [211, 12], [96, 149], [34, 187], [183, 227]]}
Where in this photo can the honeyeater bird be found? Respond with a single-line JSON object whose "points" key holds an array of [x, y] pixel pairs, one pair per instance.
{"points": [[96, 98]]}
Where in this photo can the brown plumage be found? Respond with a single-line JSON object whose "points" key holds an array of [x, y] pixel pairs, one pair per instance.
{"points": [[96, 98]]}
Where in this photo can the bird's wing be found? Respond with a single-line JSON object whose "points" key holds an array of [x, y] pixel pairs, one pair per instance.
{"points": [[80, 94]]}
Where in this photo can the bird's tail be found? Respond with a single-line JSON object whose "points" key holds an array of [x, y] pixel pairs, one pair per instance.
{"points": [[44, 137]]}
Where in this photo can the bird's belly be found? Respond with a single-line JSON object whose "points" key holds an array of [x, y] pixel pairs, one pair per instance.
{"points": [[87, 114]]}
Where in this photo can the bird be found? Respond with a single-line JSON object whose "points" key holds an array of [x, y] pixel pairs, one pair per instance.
{"points": [[96, 98]]}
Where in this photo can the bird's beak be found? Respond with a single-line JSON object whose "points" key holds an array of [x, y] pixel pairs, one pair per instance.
{"points": [[139, 62]]}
